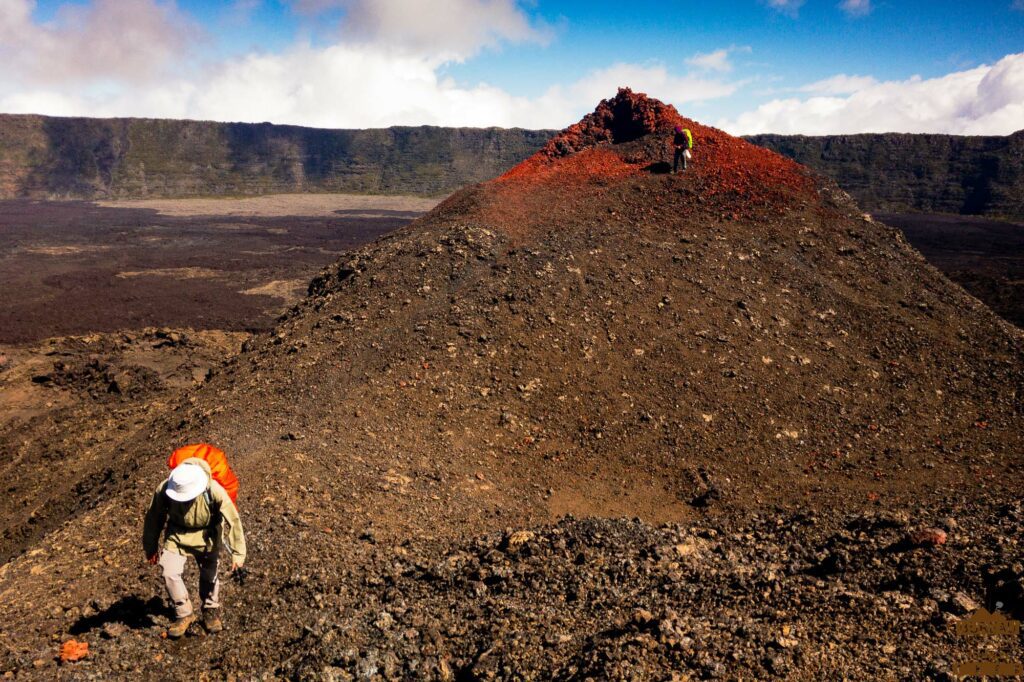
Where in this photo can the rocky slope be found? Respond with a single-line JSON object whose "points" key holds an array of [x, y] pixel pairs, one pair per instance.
{"points": [[830, 429], [896, 173], [47, 157], [61, 400]]}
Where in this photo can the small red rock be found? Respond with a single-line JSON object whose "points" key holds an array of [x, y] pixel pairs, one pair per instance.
{"points": [[928, 537], [73, 650]]}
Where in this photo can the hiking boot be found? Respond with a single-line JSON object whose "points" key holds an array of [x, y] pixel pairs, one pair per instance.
{"points": [[180, 627], [211, 621]]}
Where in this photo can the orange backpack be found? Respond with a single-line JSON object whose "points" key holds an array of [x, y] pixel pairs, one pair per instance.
{"points": [[217, 460]]}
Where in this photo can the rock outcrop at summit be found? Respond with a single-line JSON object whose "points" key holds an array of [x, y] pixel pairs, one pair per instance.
{"points": [[735, 350]]}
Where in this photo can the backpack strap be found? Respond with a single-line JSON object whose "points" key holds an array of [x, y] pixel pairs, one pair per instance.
{"points": [[215, 517]]}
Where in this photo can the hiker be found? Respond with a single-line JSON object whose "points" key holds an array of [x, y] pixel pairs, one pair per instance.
{"points": [[683, 143], [193, 507]]}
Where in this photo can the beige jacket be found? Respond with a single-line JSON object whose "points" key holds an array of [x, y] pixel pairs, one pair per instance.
{"points": [[193, 526]]}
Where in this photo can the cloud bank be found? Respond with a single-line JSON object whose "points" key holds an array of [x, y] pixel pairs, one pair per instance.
{"points": [[987, 100], [385, 66], [131, 41], [450, 29]]}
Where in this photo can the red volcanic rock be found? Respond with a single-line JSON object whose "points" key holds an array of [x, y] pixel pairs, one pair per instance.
{"points": [[73, 650], [928, 537], [627, 116]]}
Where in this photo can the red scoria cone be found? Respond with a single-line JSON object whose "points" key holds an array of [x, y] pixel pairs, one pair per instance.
{"points": [[631, 135]]}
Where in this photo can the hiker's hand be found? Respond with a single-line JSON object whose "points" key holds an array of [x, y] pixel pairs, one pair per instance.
{"points": [[238, 573], [153, 559]]}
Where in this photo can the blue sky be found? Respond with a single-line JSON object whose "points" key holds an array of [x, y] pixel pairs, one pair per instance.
{"points": [[816, 66], [895, 40]]}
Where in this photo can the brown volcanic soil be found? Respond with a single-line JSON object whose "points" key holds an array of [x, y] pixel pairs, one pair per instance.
{"points": [[734, 351], [78, 268]]}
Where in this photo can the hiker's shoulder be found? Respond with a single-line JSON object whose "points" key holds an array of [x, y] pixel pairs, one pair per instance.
{"points": [[218, 493], [161, 488]]}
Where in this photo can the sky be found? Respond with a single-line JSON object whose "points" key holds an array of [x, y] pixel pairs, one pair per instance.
{"points": [[747, 66]]}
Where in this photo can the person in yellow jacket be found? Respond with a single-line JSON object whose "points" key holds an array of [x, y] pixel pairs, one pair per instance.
{"points": [[682, 141], [193, 509]]}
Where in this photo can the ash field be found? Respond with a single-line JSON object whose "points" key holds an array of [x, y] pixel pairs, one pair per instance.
{"points": [[79, 267]]}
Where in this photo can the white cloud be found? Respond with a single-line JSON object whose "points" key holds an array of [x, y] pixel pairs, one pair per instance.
{"points": [[840, 84], [857, 8], [129, 40], [356, 83], [450, 29], [115, 58], [984, 100], [711, 61], [717, 60], [358, 86], [344, 86], [787, 7]]}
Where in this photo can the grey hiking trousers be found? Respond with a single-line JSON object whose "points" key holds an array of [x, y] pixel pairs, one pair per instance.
{"points": [[679, 159], [173, 565]]}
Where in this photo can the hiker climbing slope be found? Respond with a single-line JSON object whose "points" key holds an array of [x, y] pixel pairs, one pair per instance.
{"points": [[682, 141], [194, 509]]}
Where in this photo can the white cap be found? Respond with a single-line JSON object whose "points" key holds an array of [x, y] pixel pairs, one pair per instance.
{"points": [[186, 482]]}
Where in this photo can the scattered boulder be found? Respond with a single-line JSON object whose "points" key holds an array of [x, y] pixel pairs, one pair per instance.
{"points": [[113, 630], [927, 537], [959, 604]]}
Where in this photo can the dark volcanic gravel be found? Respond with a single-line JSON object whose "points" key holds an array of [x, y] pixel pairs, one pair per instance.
{"points": [[778, 595]]}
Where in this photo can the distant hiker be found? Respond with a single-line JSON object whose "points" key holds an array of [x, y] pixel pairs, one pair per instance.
{"points": [[193, 508], [683, 143]]}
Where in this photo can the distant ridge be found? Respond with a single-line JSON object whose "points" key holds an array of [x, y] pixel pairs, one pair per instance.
{"points": [[901, 173], [89, 158], [84, 158]]}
